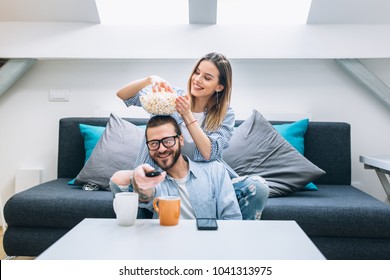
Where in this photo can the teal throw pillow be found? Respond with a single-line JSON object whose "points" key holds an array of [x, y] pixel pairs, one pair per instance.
{"points": [[294, 134], [91, 135]]}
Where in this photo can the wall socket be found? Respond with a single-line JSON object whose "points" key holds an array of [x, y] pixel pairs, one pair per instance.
{"points": [[59, 95]]}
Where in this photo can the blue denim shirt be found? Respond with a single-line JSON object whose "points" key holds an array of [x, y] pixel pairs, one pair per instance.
{"points": [[210, 191], [219, 138]]}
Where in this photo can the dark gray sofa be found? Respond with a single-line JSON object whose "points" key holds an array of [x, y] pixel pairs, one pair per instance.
{"points": [[343, 222]]}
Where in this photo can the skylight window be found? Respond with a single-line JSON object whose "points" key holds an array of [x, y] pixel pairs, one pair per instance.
{"points": [[160, 12], [263, 12], [143, 12]]}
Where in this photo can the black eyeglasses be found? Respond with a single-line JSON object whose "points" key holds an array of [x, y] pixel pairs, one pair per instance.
{"points": [[168, 142]]}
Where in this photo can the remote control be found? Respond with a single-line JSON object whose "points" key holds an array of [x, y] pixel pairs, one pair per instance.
{"points": [[152, 174]]}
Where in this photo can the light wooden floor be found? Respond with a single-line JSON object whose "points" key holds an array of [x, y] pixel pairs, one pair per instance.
{"points": [[2, 253]]}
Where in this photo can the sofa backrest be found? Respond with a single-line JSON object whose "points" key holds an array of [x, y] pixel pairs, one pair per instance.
{"points": [[327, 145]]}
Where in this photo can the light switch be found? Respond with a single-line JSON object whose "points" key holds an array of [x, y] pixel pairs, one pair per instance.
{"points": [[60, 95]]}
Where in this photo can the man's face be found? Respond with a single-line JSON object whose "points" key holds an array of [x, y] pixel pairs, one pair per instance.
{"points": [[163, 156]]}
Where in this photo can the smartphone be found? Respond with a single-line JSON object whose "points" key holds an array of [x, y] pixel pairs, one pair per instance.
{"points": [[206, 224], [152, 174]]}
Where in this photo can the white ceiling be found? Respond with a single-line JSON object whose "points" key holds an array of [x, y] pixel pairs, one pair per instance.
{"points": [[321, 12], [71, 29], [349, 12], [49, 10]]}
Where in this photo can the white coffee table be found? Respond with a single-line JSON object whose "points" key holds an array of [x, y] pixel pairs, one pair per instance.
{"points": [[103, 239]]}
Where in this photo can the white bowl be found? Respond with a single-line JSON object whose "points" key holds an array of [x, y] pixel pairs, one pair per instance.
{"points": [[159, 103]]}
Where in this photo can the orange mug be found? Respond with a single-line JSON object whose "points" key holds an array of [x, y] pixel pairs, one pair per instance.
{"points": [[168, 209]]}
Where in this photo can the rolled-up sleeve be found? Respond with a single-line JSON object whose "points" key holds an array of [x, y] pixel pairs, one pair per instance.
{"points": [[219, 138], [135, 100]]}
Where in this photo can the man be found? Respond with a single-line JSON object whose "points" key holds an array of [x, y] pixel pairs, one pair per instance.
{"points": [[205, 188]]}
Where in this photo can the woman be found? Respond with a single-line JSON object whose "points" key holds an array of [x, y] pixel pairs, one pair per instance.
{"points": [[207, 121]]}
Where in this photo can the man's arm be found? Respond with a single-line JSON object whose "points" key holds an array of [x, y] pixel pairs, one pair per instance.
{"points": [[144, 186], [143, 195], [122, 177]]}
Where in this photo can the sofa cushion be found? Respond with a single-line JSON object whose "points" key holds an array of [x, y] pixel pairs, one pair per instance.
{"points": [[333, 210], [117, 149], [256, 148], [58, 205]]}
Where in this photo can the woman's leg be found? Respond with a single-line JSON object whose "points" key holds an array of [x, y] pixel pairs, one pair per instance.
{"points": [[252, 194]]}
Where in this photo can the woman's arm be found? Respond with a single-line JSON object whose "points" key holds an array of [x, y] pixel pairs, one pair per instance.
{"points": [[221, 137], [133, 87], [209, 145], [201, 140]]}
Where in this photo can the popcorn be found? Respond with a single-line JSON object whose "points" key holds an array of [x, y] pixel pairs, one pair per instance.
{"points": [[159, 103]]}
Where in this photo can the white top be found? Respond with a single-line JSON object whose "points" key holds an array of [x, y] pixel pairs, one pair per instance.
{"points": [[186, 210], [189, 145]]}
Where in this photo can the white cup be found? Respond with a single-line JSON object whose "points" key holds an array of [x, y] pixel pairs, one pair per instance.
{"points": [[126, 208]]}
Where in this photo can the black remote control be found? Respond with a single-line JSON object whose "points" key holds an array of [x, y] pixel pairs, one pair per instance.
{"points": [[152, 174]]}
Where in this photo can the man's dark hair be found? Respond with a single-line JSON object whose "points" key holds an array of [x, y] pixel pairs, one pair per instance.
{"points": [[159, 120]]}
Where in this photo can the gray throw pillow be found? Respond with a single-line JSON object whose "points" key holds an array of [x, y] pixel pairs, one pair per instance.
{"points": [[116, 150], [256, 148]]}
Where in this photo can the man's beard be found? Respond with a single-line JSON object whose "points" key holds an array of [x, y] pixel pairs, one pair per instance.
{"points": [[164, 163]]}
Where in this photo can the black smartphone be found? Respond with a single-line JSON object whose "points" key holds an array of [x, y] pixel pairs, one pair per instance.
{"points": [[206, 224], [152, 174]]}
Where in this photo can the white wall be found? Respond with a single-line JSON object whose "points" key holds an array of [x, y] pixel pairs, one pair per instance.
{"points": [[280, 89], [53, 40]]}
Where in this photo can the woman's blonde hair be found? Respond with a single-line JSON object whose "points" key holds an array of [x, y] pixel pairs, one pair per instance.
{"points": [[220, 101]]}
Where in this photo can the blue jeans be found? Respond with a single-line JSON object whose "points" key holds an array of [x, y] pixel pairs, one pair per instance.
{"points": [[252, 195]]}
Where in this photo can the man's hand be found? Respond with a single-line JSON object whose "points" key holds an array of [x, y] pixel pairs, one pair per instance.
{"points": [[143, 182], [143, 185]]}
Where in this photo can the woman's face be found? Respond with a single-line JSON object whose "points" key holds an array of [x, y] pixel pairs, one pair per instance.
{"points": [[205, 80]]}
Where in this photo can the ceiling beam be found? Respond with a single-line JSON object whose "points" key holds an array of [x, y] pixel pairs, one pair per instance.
{"points": [[365, 77], [202, 11], [12, 70]]}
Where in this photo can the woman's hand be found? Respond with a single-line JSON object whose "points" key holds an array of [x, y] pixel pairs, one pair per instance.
{"points": [[159, 84], [183, 105]]}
